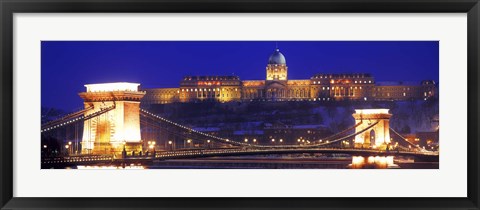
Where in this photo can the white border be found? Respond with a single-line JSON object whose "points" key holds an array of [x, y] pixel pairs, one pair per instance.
{"points": [[448, 181]]}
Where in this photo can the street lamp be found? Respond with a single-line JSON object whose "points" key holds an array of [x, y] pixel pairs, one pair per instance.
{"points": [[66, 147], [254, 141], [153, 147], [246, 140], [45, 153]]}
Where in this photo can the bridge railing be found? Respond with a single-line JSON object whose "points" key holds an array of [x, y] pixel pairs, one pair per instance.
{"points": [[67, 121]]}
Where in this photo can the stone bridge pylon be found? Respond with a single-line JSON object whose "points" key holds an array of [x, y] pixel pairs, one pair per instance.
{"points": [[378, 136], [118, 124]]}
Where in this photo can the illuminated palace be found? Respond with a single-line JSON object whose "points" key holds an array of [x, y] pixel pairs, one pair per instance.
{"points": [[277, 87]]}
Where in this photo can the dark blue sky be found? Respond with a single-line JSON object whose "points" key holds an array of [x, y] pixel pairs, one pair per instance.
{"points": [[68, 65]]}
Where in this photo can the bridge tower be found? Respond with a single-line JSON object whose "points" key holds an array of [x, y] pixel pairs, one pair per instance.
{"points": [[118, 124], [377, 136]]}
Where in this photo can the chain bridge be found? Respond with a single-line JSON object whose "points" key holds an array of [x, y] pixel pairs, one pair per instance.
{"points": [[112, 121]]}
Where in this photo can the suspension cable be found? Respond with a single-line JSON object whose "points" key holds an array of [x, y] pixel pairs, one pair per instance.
{"points": [[403, 138]]}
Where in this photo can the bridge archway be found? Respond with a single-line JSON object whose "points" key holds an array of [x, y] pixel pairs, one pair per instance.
{"points": [[372, 137], [379, 135]]}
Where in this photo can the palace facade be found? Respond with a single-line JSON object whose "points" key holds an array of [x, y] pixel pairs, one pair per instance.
{"points": [[277, 87]]}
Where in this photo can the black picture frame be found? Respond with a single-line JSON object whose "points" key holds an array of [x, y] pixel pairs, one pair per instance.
{"points": [[10, 7]]}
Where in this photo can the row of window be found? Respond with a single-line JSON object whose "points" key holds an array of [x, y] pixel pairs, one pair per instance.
{"points": [[340, 76], [365, 82], [208, 89]]}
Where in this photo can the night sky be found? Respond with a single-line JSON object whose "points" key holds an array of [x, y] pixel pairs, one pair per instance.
{"points": [[68, 65]]}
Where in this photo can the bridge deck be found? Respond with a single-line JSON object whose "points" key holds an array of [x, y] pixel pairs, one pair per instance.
{"points": [[185, 154]]}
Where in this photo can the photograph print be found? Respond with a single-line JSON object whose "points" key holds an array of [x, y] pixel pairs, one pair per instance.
{"points": [[122, 105]]}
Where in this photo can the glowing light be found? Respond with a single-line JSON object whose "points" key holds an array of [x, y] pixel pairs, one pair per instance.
{"points": [[371, 111], [118, 86], [371, 160], [389, 160], [358, 161]]}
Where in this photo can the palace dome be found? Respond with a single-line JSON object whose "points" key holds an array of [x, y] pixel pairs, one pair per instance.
{"points": [[277, 58]]}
